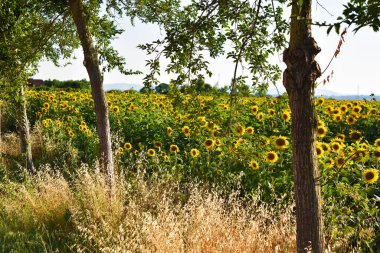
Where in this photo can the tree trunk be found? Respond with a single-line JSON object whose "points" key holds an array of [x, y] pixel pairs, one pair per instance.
{"points": [[24, 131], [91, 62], [299, 80]]}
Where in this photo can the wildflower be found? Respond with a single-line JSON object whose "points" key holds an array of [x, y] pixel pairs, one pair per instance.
{"points": [[170, 131], [370, 176], [254, 165], [250, 130], [330, 163], [255, 109], [320, 150], [209, 143], [260, 116], [115, 109], [194, 152], [151, 152], [377, 143], [127, 146], [281, 142], [357, 109], [186, 131], [320, 101], [174, 148], [336, 146], [285, 116], [340, 161], [46, 106], [377, 154], [119, 151], [338, 117], [271, 112], [240, 130], [271, 157], [355, 135], [321, 131], [361, 155]]}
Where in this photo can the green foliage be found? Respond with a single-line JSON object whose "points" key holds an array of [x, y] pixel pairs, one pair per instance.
{"points": [[208, 26], [73, 84]]}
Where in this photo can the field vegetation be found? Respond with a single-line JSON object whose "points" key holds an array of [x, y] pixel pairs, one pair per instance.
{"points": [[183, 183]]}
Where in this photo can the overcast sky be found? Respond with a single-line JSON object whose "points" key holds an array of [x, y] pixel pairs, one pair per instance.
{"points": [[356, 70]]}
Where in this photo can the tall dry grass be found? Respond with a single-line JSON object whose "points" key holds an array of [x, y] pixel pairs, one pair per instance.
{"points": [[156, 215]]}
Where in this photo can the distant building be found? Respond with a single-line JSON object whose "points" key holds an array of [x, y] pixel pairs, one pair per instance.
{"points": [[35, 82]]}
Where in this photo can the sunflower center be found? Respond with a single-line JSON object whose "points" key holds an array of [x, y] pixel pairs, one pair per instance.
{"points": [[280, 142], [271, 156], [369, 175]]}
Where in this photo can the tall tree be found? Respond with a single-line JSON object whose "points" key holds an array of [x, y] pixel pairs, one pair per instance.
{"points": [[26, 36], [299, 80], [91, 62]]}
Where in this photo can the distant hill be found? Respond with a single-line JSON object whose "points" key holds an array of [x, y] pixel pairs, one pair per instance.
{"points": [[122, 86]]}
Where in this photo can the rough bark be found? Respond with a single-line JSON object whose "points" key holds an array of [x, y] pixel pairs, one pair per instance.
{"points": [[91, 62], [299, 80], [24, 132]]}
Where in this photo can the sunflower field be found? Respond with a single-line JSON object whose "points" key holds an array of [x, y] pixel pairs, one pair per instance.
{"points": [[194, 137]]}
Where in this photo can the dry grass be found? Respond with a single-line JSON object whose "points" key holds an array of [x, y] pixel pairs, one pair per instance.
{"points": [[156, 216]]}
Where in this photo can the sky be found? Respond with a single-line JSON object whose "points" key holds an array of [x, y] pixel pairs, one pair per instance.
{"points": [[356, 69]]}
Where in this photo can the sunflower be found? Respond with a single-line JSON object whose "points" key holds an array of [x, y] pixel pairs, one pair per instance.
{"points": [[215, 133], [341, 137], [250, 130], [320, 101], [46, 105], [343, 108], [169, 131], [116, 109], [370, 176], [285, 116], [119, 151], [330, 163], [377, 143], [254, 165], [271, 157], [240, 130], [320, 150], [281, 142], [151, 152], [336, 146], [71, 134], [166, 158], [340, 161], [325, 147], [174, 148], [186, 131], [357, 109], [361, 155], [209, 143], [377, 154], [260, 116], [271, 112], [321, 131], [217, 142], [255, 109], [355, 135], [338, 117], [194, 152], [127, 146], [350, 120]]}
